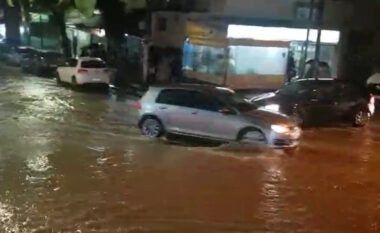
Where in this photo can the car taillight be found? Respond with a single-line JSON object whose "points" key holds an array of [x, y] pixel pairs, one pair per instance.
{"points": [[372, 104], [136, 105], [82, 71]]}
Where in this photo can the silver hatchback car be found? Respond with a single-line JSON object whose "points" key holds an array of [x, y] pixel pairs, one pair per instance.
{"points": [[213, 113]]}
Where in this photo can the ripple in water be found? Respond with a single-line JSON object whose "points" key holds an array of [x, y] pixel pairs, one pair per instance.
{"points": [[7, 224]]}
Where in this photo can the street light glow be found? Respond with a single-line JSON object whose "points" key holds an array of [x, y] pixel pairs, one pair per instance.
{"points": [[281, 34]]}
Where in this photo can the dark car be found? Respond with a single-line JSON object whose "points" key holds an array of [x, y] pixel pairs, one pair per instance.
{"points": [[15, 55], [42, 62], [324, 101], [27, 61], [5, 49]]}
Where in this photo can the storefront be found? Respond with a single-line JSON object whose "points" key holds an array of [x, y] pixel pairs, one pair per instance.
{"points": [[245, 57]]}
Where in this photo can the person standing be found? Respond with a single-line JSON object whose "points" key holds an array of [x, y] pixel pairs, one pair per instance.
{"points": [[291, 71], [176, 74]]}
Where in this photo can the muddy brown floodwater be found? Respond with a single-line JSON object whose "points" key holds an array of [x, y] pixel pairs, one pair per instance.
{"points": [[74, 162]]}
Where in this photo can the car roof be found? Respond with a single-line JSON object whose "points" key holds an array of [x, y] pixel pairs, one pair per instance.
{"points": [[196, 87], [315, 80], [89, 59]]}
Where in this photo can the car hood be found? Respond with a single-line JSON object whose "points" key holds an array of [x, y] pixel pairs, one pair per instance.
{"points": [[263, 96], [268, 118]]}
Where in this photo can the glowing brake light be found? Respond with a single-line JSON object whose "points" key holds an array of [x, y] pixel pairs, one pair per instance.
{"points": [[372, 104], [82, 71], [136, 105]]}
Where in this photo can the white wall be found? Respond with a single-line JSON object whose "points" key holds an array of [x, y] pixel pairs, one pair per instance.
{"points": [[175, 33]]}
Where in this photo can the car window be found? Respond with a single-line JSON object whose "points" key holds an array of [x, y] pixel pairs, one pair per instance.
{"points": [[171, 97], [190, 99], [204, 101], [93, 64]]}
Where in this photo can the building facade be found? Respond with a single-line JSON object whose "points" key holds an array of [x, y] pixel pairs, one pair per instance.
{"points": [[247, 44]]}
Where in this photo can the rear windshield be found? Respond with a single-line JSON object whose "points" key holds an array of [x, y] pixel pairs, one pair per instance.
{"points": [[93, 64]]}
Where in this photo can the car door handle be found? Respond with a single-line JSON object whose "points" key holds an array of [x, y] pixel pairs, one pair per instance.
{"points": [[163, 108], [194, 113]]}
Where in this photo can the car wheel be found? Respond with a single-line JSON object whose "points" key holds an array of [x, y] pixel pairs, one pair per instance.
{"points": [[74, 81], [361, 118], [152, 128], [39, 72], [252, 136], [59, 81]]}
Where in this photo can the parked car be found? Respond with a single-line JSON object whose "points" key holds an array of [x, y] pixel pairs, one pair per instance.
{"points": [[212, 113], [84, 70], [16, 54], [42, 62], [373, 84], [323, 101], [4, 50]]}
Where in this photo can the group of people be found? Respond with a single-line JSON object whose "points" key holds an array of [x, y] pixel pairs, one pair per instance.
{"points": [[165, 65]]}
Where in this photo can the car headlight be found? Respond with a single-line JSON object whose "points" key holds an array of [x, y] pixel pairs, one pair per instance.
{"points": [[271, 107], [280, 129]]}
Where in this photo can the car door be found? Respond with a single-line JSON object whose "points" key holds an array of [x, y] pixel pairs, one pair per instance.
{"points": [[214, 119], [172, 108], [321, 103], [348, 99]]}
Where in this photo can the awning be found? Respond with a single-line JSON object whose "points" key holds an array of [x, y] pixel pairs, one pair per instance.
{"points": [[204, 33]]}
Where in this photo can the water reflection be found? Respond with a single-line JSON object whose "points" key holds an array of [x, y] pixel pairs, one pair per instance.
{"points": [[74, 162]]}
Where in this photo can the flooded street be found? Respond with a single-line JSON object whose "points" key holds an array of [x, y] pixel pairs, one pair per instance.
{"points": [[73, 161]]}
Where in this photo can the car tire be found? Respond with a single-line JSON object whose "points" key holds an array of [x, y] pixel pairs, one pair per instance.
{"points": [[74, 81], [152, 127], [39, 72], [252, 136], [361, 118], [59, 81]]}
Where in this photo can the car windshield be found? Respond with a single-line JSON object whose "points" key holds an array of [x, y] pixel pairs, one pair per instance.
{"points": [[93, 64]]}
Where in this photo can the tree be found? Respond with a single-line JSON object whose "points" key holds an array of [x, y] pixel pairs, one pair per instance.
{"points": [[59, 8], [113, 13]]}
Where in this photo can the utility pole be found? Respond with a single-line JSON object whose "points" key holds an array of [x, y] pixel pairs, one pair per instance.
{"points": [[306, 44], [321, 7], [42, 32]]}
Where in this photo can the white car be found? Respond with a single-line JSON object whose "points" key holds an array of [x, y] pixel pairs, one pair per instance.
{"points": [[84, 70], [373, 84]]}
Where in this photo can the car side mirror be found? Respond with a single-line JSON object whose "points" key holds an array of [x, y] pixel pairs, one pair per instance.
{"points": [[226, 111]]}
